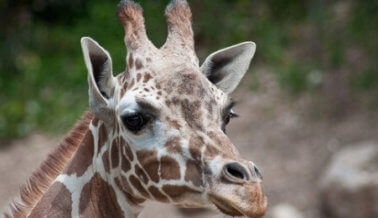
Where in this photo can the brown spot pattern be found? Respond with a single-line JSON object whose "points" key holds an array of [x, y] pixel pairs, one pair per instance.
{"points": [[125, 164], [102, 137], [192, 114], [158, 195], [222, 142], [176, 100], [193, 172], [115, 154], [127, 191], [138, 64], [147, 77], [138, 186], [173, 123], [195, 145], [42, 179], [95, 121], [211, 151], [83, 158], [127, 149], [150, 163], [139, 76], [173, 144], [169, 168], [189, 84], [105, 161], [123, 184], [56, 202], [131, 61], [98, 199], [168, 102], [142, 176]]}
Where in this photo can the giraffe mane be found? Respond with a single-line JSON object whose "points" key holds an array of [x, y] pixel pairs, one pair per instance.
{"points": [[42, 178]]}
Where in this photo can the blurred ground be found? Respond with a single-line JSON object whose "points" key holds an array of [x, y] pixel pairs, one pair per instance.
{"points": [[283, 135]]}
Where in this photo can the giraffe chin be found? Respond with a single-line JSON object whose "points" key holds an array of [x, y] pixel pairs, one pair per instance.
{"points": [[237, 206], [231, 209], [224, 208]]}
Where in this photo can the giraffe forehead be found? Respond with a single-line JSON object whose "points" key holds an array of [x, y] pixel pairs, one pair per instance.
{"points": [[194, 96], [169, 72], [167, 85], [161, 62], [193, 85]]}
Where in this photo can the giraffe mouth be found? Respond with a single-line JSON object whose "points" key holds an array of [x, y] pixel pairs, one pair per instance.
{"points": [[224, 207], [231, 209]]}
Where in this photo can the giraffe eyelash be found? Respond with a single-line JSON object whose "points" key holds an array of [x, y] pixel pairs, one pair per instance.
{"points": [[226, 119], [233, 114]]}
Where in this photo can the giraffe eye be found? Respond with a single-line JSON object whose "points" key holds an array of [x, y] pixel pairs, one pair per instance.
{"points": [[231, 114], [135, 121]]}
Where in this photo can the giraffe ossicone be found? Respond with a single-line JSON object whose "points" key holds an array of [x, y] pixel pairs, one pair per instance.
{"points": [[155, 132]]}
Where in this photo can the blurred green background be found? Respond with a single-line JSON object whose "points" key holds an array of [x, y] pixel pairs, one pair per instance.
{"points": [[325, 48]]}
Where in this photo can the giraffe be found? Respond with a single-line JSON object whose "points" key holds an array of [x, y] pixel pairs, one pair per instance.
{"points": [[155, 132]]}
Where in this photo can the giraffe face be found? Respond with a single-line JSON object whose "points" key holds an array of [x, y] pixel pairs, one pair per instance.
{"points": [[173, 123], [166, 118]]}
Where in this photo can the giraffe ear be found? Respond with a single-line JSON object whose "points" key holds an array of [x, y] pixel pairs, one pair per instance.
{"points": [[100, 74], [226, 67]]}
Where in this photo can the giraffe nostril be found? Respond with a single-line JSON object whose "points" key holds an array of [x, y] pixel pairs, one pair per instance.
{"points": [[235, 171], [257, 172]]}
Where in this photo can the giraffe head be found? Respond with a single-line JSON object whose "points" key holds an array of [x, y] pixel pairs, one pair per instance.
{"points": [[165, 117]]}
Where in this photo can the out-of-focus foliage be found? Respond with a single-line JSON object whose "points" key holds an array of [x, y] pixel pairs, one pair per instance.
{"points": [[313, 45]]}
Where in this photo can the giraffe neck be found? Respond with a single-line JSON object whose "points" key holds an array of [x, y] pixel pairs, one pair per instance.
{"points": [[85, 187]]}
